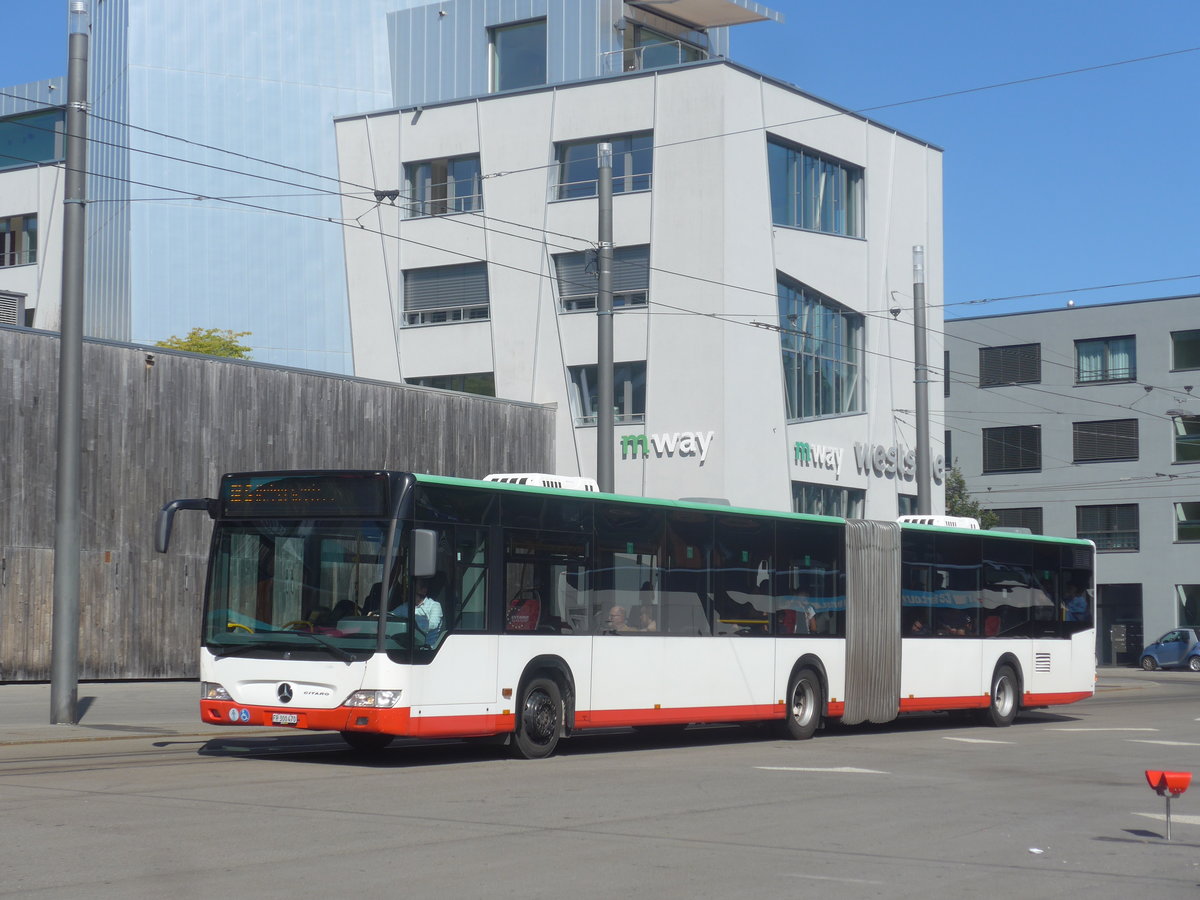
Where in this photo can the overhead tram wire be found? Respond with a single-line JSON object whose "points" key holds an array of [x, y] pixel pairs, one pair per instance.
{"points": [[364, 193], [457, 217], [836, 113], [866, 109], [724, 318]]}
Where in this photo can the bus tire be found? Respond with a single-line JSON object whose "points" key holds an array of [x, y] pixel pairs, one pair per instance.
{"points": [[366, 740], [803, 706], [539, 720], [1005, 698]]}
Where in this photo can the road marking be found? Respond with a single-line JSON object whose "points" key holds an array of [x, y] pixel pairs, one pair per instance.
{"points": [[1181, 820], [1102, 729], [827, 878], [840, 770], [1164, 743], [976, 740]]}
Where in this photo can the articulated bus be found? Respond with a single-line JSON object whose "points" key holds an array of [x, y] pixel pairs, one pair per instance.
{"points": [[379, 604]]}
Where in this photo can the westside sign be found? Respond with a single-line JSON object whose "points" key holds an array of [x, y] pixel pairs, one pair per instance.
{"points": [[870, 459], [679, 443]]}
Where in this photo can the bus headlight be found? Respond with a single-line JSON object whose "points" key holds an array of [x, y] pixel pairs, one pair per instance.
{"points": [[373, 699], [210, 690]]}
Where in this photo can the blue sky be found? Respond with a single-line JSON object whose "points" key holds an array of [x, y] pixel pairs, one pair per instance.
{"points": [[1064, 183]]}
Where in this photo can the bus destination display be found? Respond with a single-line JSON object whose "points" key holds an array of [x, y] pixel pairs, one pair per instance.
{"points": [[302, 496]]}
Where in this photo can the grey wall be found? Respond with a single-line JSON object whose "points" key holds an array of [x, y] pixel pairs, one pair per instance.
{"points": [[152, 433]]}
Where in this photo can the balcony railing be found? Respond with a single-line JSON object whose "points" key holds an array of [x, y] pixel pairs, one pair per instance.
{"points": [[650, 56]]}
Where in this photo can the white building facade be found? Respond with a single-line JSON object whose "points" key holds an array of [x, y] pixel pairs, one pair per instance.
{"points": [[1085, 422], [31, 202], [763, 239]]}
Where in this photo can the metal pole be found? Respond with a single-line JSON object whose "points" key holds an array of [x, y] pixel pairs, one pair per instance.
{"points": [[64, 660], [604, 325], [921, 382], [1168, 796]]}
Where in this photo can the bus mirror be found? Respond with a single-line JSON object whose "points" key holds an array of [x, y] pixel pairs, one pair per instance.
{"points": [[424, 552], [166, 517]]}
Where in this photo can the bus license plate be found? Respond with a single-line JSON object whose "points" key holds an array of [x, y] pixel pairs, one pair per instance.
{"points": [[284, 718]]}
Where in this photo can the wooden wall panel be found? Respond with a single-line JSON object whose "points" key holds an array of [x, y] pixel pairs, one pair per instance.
{"points": [[158, 425]]}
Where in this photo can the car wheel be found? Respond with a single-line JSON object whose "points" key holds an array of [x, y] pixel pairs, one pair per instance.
{"points": [[1149, 663], [1194, 663]]}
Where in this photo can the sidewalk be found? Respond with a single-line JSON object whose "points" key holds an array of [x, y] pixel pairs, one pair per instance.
{"points": [[105, 710]]}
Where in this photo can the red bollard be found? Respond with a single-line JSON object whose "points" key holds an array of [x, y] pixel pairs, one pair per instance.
{"points": [[1169, 785]]}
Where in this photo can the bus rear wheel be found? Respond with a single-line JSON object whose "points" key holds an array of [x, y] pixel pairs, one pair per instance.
{"points": [[539, 720], [1002, 708], [366, 740], [805, 700]]}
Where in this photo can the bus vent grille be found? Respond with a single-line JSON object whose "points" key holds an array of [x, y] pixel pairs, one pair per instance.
{"points": [[1041, 662]]}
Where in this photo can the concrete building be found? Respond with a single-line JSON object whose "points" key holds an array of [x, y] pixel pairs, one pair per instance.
{"points": [[763, 238], [31, 202], [1084, 421]]}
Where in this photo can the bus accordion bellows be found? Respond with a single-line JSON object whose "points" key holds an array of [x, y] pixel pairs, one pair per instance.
{"points": [[380, 604]]}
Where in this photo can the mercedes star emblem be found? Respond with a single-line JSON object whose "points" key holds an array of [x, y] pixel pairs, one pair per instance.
{"points": [[284, 691]]}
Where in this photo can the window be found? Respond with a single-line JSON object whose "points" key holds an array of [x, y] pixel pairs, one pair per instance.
{"points": [[34, 138], [1187, 438], [1014, 449], [1016, 364], [1187, 521], [1189, 602], [906, 504], [825, 500], [440, 186], [821, 343], [18, 240], [1114, 439], [629, 393], [1185, 350], [1022, 517], [519, 55], [481, 383], [1110, 527], [577, 274], [1105, 359], [945, 373], [813, 191], [443, 294], [632, 165], [949, 451]]}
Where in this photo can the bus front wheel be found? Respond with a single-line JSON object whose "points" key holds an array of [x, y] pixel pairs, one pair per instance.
{"points": [[539, 720], [1002, 708], [805, 700]]}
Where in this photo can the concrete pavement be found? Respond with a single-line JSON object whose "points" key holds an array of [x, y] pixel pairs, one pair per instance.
{"points": [[106, 710]]}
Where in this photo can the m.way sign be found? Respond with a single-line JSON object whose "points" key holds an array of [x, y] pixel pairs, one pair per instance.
{"points": [[678, 443]]}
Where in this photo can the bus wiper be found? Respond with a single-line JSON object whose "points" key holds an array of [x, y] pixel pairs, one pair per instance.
{"points": [[340, 652], [235, 649]]}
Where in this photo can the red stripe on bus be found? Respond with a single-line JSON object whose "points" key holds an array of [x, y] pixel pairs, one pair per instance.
{"points": [[618, 718], [1054, 699]]}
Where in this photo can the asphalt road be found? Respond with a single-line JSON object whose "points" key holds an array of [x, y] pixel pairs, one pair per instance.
{"points": [[1055, 806]]}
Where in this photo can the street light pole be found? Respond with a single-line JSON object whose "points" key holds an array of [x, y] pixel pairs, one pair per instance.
{"points": [[64, 661], [604, 324], [921, 382]]}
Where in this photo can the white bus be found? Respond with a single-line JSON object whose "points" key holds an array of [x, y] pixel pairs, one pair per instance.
{"points": [[378, 604]]}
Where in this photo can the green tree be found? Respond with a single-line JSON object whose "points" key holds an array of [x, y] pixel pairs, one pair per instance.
{"points": [[959, 502], [210, 342]]}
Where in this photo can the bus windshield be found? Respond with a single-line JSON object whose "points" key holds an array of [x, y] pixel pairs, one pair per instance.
{"points": [[309, 588]]}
